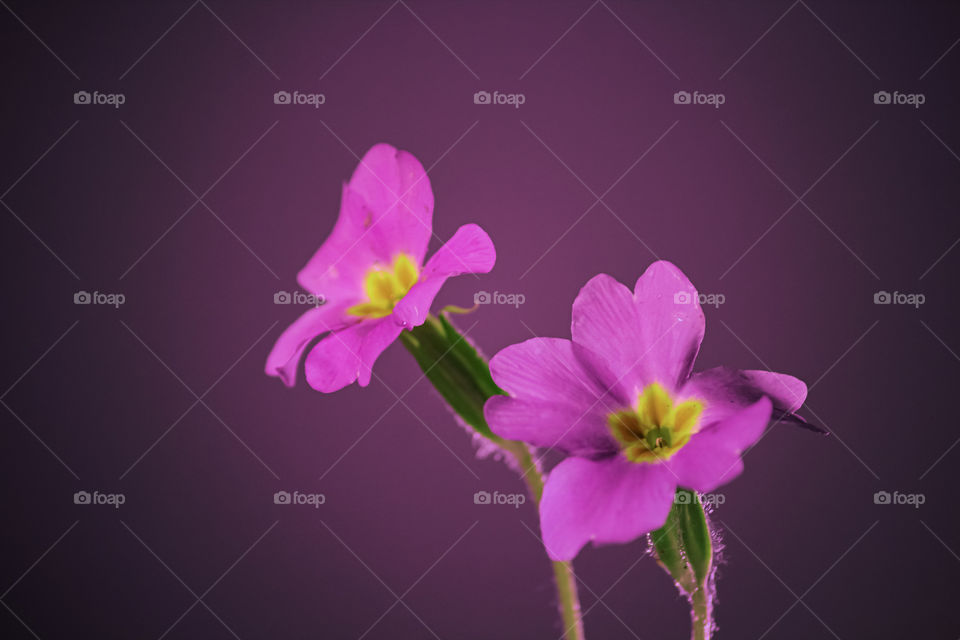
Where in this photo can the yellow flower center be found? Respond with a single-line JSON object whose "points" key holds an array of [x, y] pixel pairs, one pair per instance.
{"points": [[657, 428], [385, 286]]}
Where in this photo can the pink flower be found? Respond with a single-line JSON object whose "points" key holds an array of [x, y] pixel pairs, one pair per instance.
{"points": [[371, 274], [621, 401]]}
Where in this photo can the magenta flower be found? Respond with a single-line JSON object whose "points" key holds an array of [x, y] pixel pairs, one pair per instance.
{"points": [[621, 401], [370, 272]]}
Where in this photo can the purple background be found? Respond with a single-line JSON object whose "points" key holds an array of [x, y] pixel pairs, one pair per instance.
{"points": [[82, 207]]}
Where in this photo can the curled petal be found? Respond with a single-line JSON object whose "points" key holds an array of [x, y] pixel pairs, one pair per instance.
{"points": [[386, 209], [337, 269], [470, 250], [348, 355], [727, 391], [287, 351], [397, 198]]}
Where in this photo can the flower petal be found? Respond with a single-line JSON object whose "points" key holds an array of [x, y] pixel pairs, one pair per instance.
{"points": [[727, 391], [285, 356], [712, 457], [470, 250], [348, 355], [398, 201], [386, 209], [556, 401], [564, 427], [336, 270], [604, 501], [651, 335]]}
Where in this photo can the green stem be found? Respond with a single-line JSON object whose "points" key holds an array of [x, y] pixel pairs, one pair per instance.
{"points": [[528, 466], [700, 614], [684, 548], [569, 600], [462, 376], [563, 576]]}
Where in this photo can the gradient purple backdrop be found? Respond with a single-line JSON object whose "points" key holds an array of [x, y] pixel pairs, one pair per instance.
{"points": [[165, 401]]}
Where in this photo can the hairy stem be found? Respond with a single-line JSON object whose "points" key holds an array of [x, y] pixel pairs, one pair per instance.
{"points": [[564, 578], [684, 548], [462, 376], [569, 600], [700, 612]]}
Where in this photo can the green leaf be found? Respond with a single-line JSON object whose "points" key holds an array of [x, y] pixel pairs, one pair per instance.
{"points": [[666, 544], [683, 545], [696, 536], [455, 369]]}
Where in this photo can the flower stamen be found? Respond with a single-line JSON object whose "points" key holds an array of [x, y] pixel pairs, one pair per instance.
{"points": [[657, 428], [385, 287]]}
